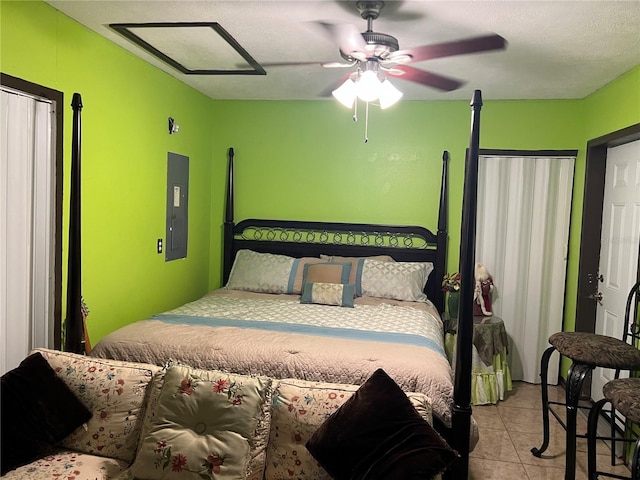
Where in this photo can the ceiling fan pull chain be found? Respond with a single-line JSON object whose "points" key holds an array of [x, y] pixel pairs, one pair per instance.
{"points": [[355, 110], [366, 123]]}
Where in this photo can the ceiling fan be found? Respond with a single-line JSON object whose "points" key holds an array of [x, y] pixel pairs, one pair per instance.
{"points": [[378, 55]]}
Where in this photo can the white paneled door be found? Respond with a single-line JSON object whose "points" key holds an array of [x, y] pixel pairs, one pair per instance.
{"points": [[618, 246], [26, 225]]}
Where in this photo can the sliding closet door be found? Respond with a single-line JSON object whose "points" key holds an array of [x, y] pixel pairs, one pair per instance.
{"points": [[26, 227], [524, 206]]}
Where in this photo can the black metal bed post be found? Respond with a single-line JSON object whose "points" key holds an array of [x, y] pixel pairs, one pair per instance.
{"points": [[462, 387], [442, 231], [74, 327], [228, 222]]}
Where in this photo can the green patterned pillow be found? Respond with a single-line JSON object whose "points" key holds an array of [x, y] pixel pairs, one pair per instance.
{"points": [[205, 426], [394, 280], [337, 294], [261, 272]]}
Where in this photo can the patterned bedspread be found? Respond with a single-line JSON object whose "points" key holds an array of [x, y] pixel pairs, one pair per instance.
{"points": [[278, 336]]}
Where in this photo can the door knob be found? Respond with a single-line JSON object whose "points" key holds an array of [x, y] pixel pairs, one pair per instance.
{"points": [[596, 296]]}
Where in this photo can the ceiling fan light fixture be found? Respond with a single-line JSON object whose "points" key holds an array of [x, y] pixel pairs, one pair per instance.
{"points": [[389, 95], [346, 93], [368, 86]]}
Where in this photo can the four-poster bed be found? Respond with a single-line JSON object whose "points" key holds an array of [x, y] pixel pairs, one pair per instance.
{"points": [[180, 334], [74, 338]]}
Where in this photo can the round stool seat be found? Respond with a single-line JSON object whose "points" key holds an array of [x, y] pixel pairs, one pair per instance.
{"points": [[596, 350], [624, 395]]}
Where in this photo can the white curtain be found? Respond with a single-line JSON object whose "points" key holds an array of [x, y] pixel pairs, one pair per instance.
{"points": [[524, 206], [26, 226]]}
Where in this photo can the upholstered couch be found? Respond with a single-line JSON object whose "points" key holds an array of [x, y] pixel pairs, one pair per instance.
{"points": [[177, 422]]}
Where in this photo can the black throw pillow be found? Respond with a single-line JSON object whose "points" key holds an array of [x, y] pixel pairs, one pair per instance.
{"points": [[377, 434], [37, 410]]}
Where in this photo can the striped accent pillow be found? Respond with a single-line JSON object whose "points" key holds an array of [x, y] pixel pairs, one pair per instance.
{"points": [[338, 294]]}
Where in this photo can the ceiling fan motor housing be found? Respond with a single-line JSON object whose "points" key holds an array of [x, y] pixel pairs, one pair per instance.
{"points": [[379, 46], [369, 9]]}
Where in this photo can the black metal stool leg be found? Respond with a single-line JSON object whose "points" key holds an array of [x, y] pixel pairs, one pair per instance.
{"points": [[612, 424], [544, 371], [592, 432], [635, 464], [575, 379]]}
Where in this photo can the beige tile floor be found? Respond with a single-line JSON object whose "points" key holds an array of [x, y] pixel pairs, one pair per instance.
{"points": [[511, 428]]}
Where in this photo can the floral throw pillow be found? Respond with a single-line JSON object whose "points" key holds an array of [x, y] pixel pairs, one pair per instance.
{"points": [[205, 426], [63, 464], [114, 391]]}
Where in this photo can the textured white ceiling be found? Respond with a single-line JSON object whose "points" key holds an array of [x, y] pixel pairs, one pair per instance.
{"points": [[557, 49]]}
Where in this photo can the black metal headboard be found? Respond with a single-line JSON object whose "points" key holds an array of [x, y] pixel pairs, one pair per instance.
{"points": [[312, 239]]}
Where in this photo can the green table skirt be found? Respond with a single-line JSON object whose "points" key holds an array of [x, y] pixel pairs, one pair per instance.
{"points": [[488, 382]]}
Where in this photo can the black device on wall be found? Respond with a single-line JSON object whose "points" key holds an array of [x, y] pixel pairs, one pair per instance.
{"points": [[177, 206]]}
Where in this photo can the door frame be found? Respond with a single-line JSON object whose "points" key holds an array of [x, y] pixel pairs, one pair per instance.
{"points": [[591, 230], [57, 97]]}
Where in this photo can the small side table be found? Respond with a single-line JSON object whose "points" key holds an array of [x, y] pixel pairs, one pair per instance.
{"points": [[491, 375]]}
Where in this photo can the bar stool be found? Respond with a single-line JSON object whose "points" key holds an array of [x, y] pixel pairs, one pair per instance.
{"points": [[586, 351], [624, 395]]}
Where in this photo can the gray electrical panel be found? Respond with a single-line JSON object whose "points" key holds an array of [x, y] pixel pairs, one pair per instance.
{"points": [[177, 206]]}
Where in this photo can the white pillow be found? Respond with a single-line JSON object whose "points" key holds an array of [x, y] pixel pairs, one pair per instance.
{"points": [[260, 272], [394, 280]]}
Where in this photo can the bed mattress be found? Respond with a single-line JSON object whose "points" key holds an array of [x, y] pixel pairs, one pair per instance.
{"points": [[276, 335]]}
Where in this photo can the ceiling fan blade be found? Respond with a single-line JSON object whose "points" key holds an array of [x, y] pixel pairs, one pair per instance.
{"points": [[337, 64], [295, 64], [423, 77], [448, 49], [287, 64], [345, 35]]}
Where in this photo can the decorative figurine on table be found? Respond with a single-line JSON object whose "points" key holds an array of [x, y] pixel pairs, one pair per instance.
{"points": [[482, 292]]}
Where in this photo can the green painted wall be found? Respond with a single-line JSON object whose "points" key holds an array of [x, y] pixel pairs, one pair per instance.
{"points": [[124, 156], [614, 106], [611, 108], [294, 159], [307, 160]]}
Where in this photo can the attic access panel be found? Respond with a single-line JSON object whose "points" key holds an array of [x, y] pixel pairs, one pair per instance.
{"points": [[193, 48]]}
